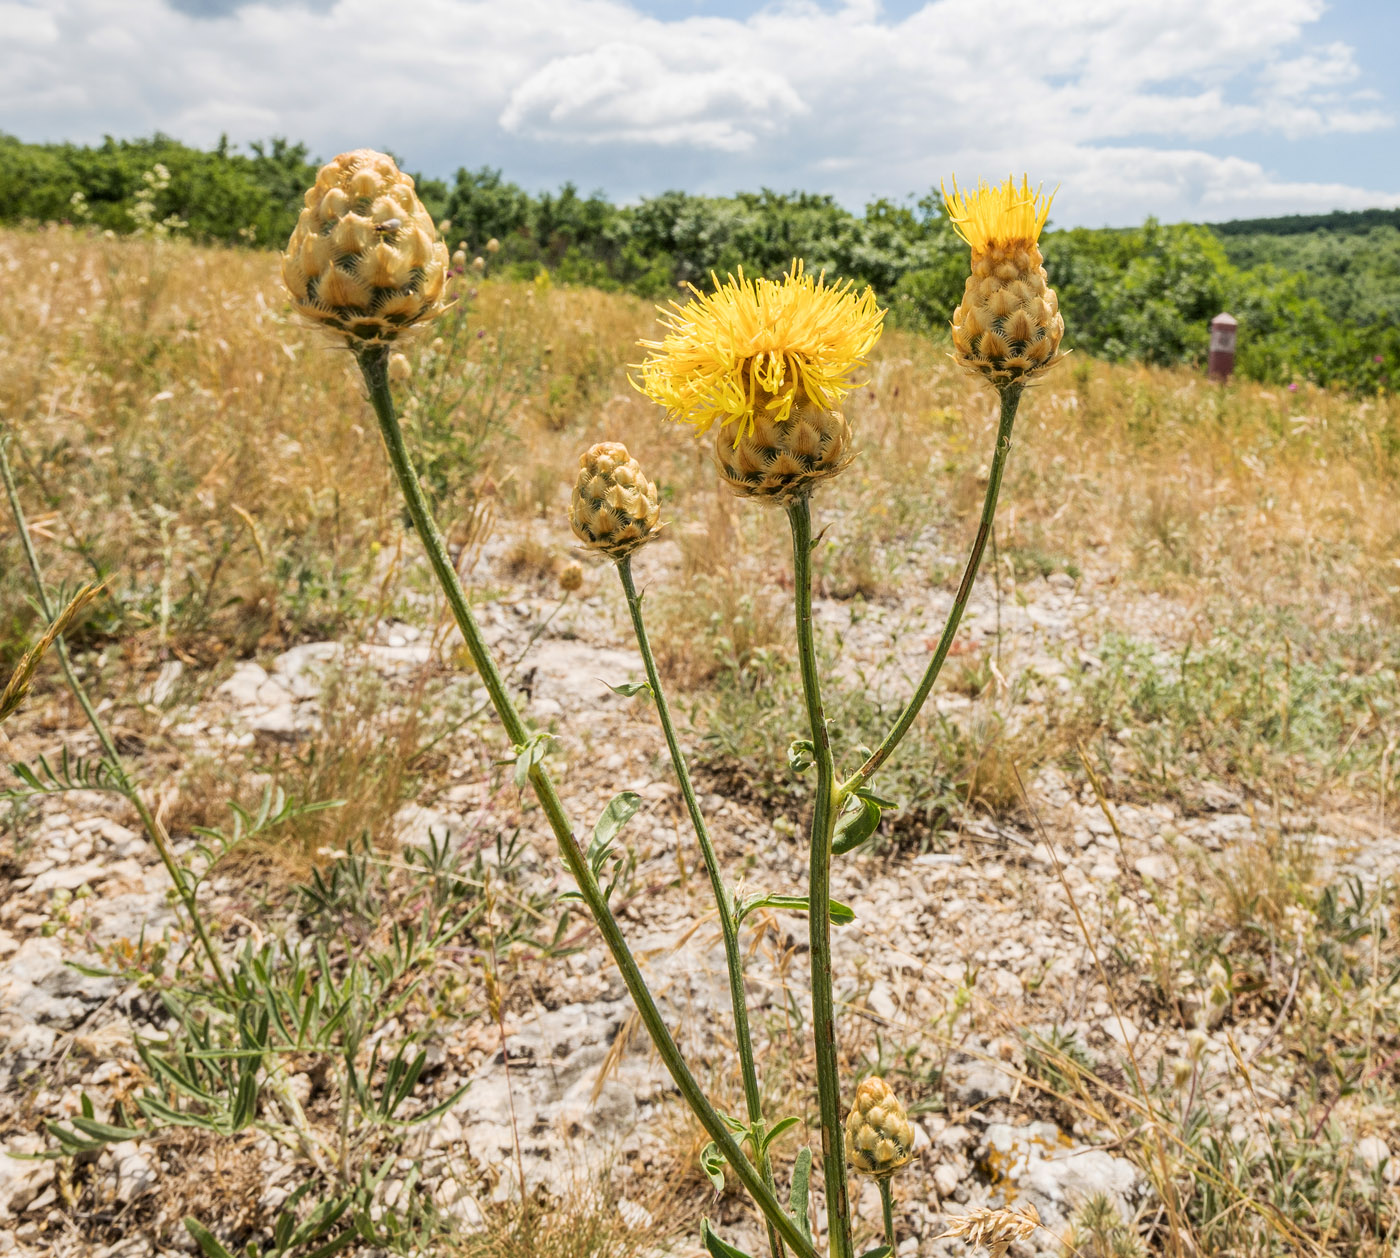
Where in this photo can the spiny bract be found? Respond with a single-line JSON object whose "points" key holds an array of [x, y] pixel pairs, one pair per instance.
{"points": [[364, 259], [782, 460], [614, 507], [1008, 327], [879, 1135]]}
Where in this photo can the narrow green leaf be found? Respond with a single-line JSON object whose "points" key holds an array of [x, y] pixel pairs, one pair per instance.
{"points": [[104, 1131], [717, 1247], [208, 1242], [797, 1195], [620, 810], [840, 914], [781, 1126]]}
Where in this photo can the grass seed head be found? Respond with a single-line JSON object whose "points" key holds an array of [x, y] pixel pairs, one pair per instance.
{"points": [[365, 260], [996, 1229], [879, 1135], [614, 508], [1008, 326]]}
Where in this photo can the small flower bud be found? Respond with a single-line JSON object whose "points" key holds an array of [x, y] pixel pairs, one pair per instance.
{"points": [[399, 367], [478, 263], [459, 261], [493, 245], [571, 578], [364, 260], [614, 508], [879, 1135]]}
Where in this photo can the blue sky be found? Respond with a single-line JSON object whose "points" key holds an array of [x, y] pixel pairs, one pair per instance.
{"points": [[1187, 109]]}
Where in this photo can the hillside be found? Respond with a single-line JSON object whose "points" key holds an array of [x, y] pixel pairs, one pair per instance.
{"points": [[1318, 308], [1127, 943]]}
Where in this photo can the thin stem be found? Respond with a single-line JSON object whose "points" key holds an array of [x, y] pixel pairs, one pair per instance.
{"points": [[724, 898], [374, 363], [887, 1208], [128, 788], [1010, 398], [828, 801]]}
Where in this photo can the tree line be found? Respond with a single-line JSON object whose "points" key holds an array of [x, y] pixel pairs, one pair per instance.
{"points": [[1319, 302]]}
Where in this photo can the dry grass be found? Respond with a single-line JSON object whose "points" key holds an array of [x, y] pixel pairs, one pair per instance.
{"points": [[178, 432]]}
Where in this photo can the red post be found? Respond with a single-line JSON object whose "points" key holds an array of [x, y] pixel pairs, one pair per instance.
{"points": [[1222, 347]]}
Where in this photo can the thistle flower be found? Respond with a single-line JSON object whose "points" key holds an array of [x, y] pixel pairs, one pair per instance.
{"points": [[765, 363], [879, 1135], [614, 508], [1008, 326], [364, 259], [996, 1229], [400, 368], [571, 578]]}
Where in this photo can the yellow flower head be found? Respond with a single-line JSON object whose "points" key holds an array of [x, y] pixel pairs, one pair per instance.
{"points": [[759, 345], [1008, 326], [998, 216]]}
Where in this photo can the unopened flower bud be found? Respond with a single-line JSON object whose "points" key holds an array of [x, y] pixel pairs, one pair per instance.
{"points": [[478, 263], [459, 261], [571, 578], [879, 1135], [364, 259], [399, 367], [493, 245], [614, 508]]}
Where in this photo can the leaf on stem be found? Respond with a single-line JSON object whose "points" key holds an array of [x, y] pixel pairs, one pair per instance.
{"points": [[797, 1194], [840, 914], [629, 689], [712, 1163], [858, 821], [802, 755], [530, 753], [717, 1247]]}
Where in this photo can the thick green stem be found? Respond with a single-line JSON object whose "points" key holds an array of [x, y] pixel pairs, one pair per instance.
{"points": [[887, 1209], [828, 802], [154, 830], [724, 899], [1010, 398], [374, 364]]}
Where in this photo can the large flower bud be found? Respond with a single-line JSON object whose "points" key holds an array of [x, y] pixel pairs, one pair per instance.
{"points": [[782, 459], [364, 259], [879, 1135], [614, 508], [1008, 326]]}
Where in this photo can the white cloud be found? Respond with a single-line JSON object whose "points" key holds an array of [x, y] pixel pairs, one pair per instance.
{"points": [[1116, 100]]}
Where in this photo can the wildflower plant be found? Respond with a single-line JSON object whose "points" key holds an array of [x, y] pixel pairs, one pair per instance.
{"points": [[762, 366]]}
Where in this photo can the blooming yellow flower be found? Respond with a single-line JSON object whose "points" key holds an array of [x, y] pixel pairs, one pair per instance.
{"points": [[1008, 326], [1002, 216], [759, 347]]}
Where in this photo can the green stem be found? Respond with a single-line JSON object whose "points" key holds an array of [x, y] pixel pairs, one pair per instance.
{"points": [[887, 1209], [724, 899], [1010, 399], [154, 830], [828, 802], [374, 364]]}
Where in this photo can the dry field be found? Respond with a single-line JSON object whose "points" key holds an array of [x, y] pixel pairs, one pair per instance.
{"points": [[1129, 945]]}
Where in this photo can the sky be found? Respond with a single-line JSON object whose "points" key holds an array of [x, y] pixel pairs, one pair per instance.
{"points": [[1184, 109]]}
